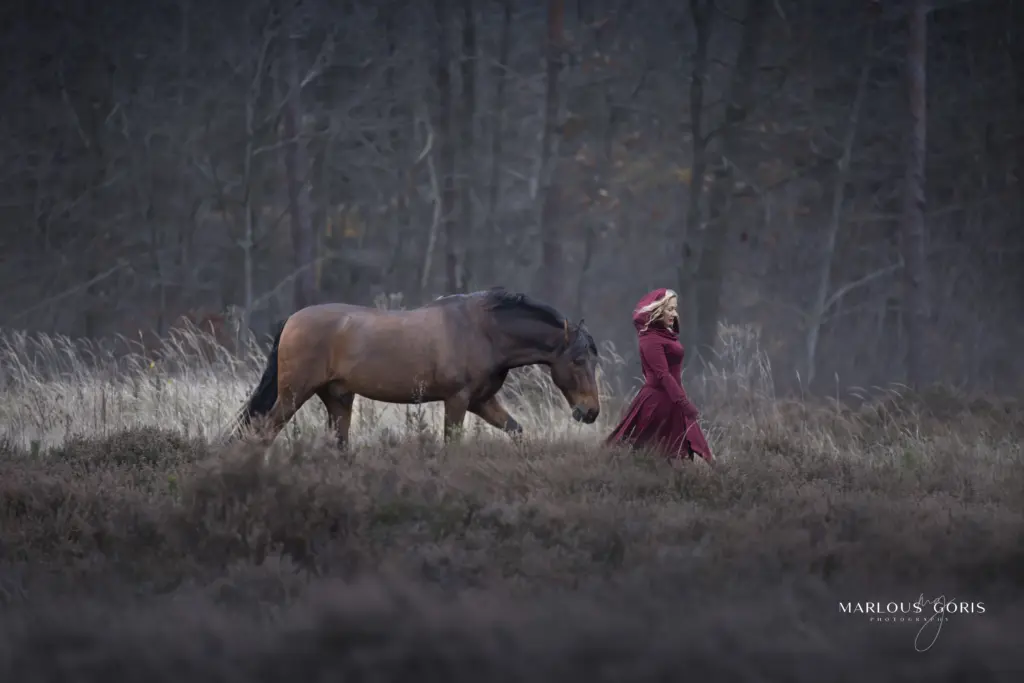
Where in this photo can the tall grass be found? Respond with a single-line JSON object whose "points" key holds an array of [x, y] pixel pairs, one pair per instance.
{"points": [[572, 561], [54, 388]]}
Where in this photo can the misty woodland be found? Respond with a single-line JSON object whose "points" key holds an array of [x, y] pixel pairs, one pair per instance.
{"points": [[833, 187]]}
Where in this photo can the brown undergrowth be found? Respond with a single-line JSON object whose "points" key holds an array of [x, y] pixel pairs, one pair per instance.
{"points": [[143, 551]]}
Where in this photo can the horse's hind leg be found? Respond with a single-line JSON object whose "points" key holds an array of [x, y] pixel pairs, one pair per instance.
{"points": [[285, 407], [493, 413], [339, 406], [454, 417]]}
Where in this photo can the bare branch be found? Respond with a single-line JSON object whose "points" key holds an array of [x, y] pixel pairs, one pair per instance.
{"points": [[428, 146], [71, 107], [850, 286], [321, 61], [72, 291], [435, 190]]}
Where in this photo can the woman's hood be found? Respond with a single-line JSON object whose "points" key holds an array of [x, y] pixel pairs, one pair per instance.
{"points": [[640, 317]]}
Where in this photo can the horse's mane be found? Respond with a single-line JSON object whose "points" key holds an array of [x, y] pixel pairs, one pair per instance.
{"points": [[500, 299]]}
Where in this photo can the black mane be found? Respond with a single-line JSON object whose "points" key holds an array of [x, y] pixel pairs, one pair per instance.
{"points": [[499, 299]]}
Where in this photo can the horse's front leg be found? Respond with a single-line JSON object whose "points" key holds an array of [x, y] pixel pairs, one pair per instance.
{"points": [[493, 413], [454, 417]]}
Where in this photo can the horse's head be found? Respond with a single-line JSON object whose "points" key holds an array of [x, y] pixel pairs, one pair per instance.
{"points": [[574, 372], [537, 333]]}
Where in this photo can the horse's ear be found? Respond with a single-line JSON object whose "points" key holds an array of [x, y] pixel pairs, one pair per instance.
{"points": [[579, 325]]}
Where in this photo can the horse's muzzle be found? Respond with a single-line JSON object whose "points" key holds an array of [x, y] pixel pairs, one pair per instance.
{"points": [[585, 415]]}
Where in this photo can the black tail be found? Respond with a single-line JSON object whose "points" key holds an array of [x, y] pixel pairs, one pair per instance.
{"points": [[265, 394]]}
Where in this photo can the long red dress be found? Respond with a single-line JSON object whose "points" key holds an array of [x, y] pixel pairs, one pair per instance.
{"points": [[661, 415]]}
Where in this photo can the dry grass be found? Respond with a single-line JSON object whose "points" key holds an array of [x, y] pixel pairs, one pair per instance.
{"points": [[552, 560]]}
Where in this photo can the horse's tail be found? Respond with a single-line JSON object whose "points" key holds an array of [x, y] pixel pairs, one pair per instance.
{"points": [[265, 394]]}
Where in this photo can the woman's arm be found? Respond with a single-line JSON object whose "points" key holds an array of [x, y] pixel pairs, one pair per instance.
{"points": [[653, 354]]}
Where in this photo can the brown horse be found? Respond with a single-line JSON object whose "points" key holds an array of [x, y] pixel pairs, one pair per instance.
{"points": [[457, 349]]}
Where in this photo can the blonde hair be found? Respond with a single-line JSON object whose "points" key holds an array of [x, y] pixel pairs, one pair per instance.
{"points": [[656, 309]]}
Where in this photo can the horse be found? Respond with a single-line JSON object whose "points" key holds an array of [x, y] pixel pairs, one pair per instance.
{"points": [[457, 349]]}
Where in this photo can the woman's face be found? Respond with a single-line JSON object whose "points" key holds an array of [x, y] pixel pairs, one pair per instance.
{"points": [[671, 310]]}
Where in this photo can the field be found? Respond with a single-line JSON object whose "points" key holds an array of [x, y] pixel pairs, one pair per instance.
{"points": [[133, 546]]}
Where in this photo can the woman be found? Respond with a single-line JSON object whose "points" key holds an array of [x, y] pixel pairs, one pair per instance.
{"points": [[661, 415]]}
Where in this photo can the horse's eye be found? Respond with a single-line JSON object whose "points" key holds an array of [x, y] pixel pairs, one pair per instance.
{"points": [[579, 360]]}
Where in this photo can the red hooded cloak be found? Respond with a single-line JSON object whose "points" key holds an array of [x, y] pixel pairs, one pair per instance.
{"points": [[661, 415]]}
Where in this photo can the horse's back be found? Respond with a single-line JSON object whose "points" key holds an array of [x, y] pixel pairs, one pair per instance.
{"points": [[376, 353], [363, 324]]}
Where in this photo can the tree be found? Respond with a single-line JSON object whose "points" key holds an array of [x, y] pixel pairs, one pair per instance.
{"points": [[444, 130], [915, 305], [497, 134], [693, 231], [297, 169], [552, 266], [242, 216], [467, 117], [821, 300], [714, 240]]}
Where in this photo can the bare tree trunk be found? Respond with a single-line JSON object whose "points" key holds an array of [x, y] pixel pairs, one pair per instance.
{"points": [[145, 193], [406, 174], [739, 102], [443, 129], [693, 231], [248, 241], [183, 232], [427, 156], [466, 148], [296, 163], [816, 317], [552, 264], [1015, 49], [101, 104], [613, 117], [915, 300], [498, 130], [89, 101]]}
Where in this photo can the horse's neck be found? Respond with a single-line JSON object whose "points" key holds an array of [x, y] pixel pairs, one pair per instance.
{"points": [[523, 357], [537, 347]]}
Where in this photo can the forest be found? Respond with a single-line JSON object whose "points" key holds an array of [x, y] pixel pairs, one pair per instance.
{"points": [[840, 179]]}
